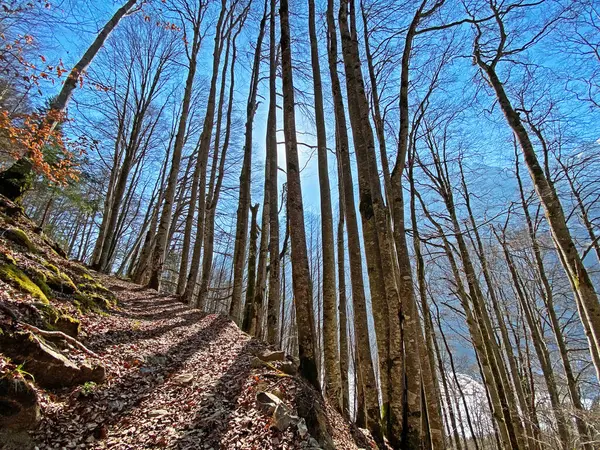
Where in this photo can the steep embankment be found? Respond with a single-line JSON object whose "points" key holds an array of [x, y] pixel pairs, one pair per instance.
{"points": [[139, 370]]}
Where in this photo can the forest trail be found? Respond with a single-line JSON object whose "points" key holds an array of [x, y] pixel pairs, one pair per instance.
{"points": [[176, 378]]}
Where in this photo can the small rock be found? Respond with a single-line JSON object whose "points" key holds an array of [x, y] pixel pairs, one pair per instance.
{"points": [[183, 379], [158, 412], [282, 417], [267, 402], [302, 429], [288, 367], [257, 363], [271, 356]]}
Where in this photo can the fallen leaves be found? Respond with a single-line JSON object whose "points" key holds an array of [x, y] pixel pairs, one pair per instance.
{"points": [[176, 379]]}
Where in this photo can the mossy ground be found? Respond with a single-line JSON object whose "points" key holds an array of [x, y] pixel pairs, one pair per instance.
{"points": [[19, 237], [14, 276]]}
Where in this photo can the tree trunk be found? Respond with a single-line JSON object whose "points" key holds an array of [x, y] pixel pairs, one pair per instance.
{"points": [[330, 323], [548, 296], [249, 321], [301, 277], [241, 229], [273, 304], [218, 161], [554, 212], [540, 347], [342, 300], [158, 253], [364, 369], [203, 150]]}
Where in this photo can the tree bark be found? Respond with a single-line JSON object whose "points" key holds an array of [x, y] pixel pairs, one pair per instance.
{"points": [[241, 229], [364, 369], [330, 323], [222, 31], [301, 277], [273, 303]]}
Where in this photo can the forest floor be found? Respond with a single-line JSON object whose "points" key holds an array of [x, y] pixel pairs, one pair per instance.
{"points": [[176, 378]]}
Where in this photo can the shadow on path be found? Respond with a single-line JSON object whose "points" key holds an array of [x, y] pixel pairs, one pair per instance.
{"points": [[214, 412]]}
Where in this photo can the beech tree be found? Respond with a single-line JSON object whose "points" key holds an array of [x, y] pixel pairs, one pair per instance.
{"points": [[461, 311]]}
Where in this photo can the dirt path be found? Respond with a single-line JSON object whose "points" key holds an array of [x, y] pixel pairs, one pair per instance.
{"points": [[176, 379]]}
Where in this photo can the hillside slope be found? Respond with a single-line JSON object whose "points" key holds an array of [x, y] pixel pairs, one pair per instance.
{"points": [[88, 361]]}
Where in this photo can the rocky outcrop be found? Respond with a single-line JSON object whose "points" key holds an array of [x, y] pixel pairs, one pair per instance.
{"points": [[49, 367]]}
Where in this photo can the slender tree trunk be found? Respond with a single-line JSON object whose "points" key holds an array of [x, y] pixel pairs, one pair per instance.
{"points": [[490, 371], [452, 425], [273, 187], [516, 378], [330, 324], [548, 296], [215, 188], [342, 300], [540, 347], [301, 277], [203, 151], [377, 117], [263, 254], [241, 229], [363, 366], [158, 255], [555, 216], [431, 385], [249, 321]]}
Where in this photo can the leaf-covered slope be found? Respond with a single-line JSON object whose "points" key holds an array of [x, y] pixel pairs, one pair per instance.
{"points": [[88, 361], [177, 378]]}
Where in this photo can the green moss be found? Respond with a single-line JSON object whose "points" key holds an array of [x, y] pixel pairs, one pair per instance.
{"points": [[40, 279], [51, 267], [14, 276], [80, 271], [90, 301], [19, 237], [61, 282], [88, 277], [51, 315], [10, 260], [96, 288]]}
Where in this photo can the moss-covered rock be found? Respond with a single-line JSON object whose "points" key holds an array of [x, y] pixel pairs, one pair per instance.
{"points": [[14, 276], [68, 325], [50, 314], [19, 237], [40, 279], [80, 271], [61, 282], [95, 287], [51, 267], [92, 301], [55, 319]]}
